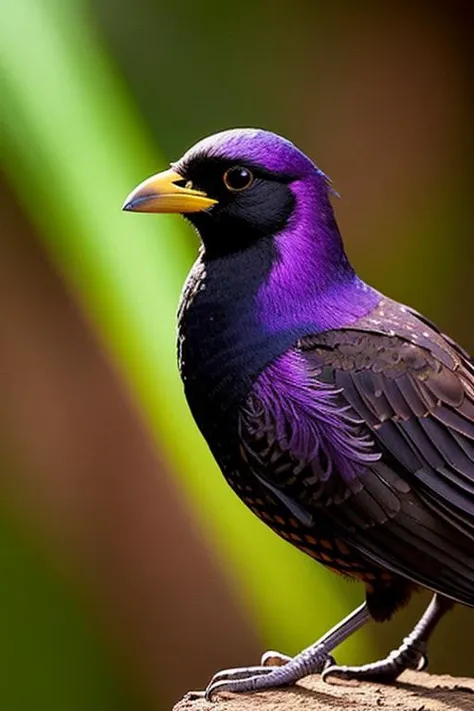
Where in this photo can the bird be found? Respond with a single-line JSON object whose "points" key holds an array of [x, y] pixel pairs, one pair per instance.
{"points": [[343, 419]]}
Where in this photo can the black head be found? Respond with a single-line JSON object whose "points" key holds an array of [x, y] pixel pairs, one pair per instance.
{"points": [[252, 202], [235, 187]]}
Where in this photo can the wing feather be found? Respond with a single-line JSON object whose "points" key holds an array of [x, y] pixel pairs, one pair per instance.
{"points": [[410, 509]]}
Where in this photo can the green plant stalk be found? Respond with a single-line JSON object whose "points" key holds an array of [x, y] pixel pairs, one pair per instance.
{"points": [[75, 147]]}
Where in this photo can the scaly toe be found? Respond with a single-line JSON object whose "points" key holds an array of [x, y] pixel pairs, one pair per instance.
{"points": [[410, 655], [368, 673], [284, 671], [242, 680], [238, 674]]}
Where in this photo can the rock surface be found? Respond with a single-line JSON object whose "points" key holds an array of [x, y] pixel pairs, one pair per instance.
{"points": [[415, 691]]}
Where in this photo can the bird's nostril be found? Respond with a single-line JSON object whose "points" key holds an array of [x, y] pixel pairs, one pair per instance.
{"points": [[183, 183]]}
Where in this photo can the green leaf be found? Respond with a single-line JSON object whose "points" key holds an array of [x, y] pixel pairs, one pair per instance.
{"points": [[75, 147]]}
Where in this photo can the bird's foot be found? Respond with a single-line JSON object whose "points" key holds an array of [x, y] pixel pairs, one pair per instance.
{"points": [[274, 670], [410, 655]]}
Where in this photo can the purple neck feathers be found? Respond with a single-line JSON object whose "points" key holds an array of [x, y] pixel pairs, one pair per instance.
{"points": [[242, 311], [311, 282]]}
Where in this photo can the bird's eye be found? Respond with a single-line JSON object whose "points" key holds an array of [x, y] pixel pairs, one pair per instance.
{"points": [[238, 178]]}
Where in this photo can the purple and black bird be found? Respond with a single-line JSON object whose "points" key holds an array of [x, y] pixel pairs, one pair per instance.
{"points": [[341, 418]]}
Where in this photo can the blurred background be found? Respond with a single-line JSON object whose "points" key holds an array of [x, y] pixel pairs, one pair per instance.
{"points": [[129, 572]]}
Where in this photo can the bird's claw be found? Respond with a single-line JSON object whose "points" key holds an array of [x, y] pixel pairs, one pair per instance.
{"points": [[423, 663], [408, 656], [420, 659], [275, 670], [235, 680]]}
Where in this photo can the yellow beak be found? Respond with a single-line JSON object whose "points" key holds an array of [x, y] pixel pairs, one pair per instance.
{"points": [[160, 193]]}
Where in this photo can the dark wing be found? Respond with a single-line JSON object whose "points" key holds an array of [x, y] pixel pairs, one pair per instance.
{"points": [[409, 510]]}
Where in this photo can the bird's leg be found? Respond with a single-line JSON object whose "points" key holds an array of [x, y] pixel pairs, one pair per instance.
{"points": [[411, 654], [311, 660]]}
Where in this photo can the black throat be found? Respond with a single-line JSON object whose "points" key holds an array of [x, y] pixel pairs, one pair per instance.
{"points": [[222, 347]]}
